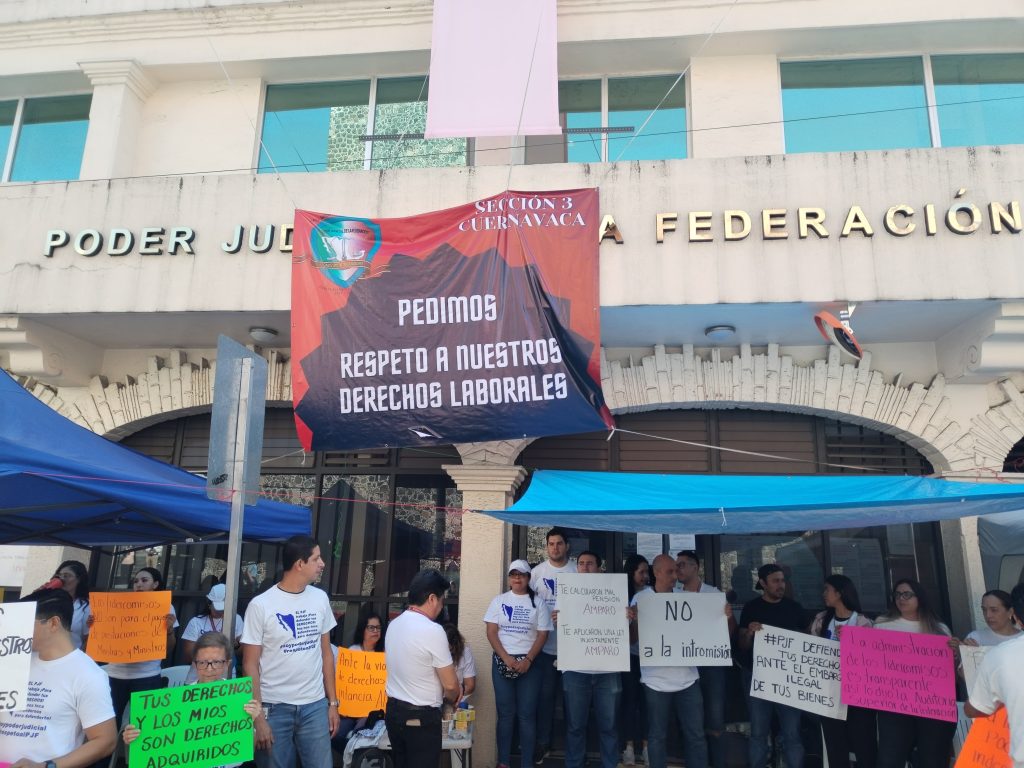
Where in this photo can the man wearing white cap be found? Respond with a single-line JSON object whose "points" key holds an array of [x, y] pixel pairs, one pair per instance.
{"points": [[210, 620]]}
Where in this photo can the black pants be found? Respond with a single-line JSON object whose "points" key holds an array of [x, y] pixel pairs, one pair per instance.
{"points": [[415, 734], [899, 734], [856, 734]]}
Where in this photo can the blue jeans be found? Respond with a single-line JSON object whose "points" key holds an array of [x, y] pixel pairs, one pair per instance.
{"points": [[761, 731], [582, 690], [712, 688], [300, 729], [516, 701], [688, 706], [549, 688]]}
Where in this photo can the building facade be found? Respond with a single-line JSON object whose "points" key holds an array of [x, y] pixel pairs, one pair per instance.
{"points": [[757, 162]]}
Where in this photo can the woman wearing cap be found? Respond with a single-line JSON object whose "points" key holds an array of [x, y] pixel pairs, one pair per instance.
{"points": [[211, 619], [517, 626]]}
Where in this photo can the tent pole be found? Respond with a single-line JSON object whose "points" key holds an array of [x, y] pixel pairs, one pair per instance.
{"points": [[234, 568]]}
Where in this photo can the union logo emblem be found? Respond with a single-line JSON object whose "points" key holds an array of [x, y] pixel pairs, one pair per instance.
{"points": [[344, 247]]}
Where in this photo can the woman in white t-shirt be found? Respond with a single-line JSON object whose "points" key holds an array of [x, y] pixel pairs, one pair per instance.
{"points": [[857, 733], [211, 663], [995, 605], [135, 676], [517, 625], [898, 734], [74, 579], [465, 666]]}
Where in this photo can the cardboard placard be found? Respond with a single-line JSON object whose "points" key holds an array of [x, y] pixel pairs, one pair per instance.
{"points": [[360, 680], [903, 672], [192, 726], [17, 623], [593, 630], [129, 626], [798, 670], [683, 629], [971, 658], [988, 743]]}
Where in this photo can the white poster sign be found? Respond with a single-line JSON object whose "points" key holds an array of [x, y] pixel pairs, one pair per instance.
{"points": [[971, 658], [683, 629], [17, 620], [798, 670], [592, 631]]}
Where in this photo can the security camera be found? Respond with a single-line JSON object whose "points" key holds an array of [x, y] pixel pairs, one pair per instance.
{"points": [[838, 332]]}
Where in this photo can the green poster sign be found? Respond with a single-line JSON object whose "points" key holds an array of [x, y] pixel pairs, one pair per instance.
{"points": [[192, 726]]}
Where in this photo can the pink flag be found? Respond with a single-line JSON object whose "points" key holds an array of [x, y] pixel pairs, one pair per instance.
{"points": [[493, 69]]}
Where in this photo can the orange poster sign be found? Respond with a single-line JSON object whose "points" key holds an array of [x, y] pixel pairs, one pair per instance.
{"points": [[361, 678], [129, 626], [988, 743]]}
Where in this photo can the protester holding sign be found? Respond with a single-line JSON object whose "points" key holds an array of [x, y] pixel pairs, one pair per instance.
{"points": [[712, 679], [593, 688], [369, 634], [211, 662], [518, 623], [286, 651], [1001, 684], [670, 691], [899, 734], [771, 609], [75, 580], [633, 720], [69, 721], [996, 607], [129, 677], [857, 733]]}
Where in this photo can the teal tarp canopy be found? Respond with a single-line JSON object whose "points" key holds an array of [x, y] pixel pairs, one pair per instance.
{"points": [[651, 503]]}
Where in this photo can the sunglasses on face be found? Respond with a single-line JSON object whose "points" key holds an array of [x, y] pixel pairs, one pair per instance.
{"points": [[216, 664]]}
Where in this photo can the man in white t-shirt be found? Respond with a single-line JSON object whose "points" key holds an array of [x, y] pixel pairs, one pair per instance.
{"points": [[421, 675], [68, 721], [584, 690], [1001, 684], [286, 651], [712, 679], [544, 581], [670, 691]]}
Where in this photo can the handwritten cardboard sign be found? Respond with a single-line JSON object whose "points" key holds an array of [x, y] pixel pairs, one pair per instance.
{"points": [[971, 658], [593, 631], [798, 670], [683, 629], [192, 726], [903, 672], [360, 680], [17, 621], [129, 626], [988, 743]]}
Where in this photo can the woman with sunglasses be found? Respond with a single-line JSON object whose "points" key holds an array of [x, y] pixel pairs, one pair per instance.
{"points": [[517, 624], [131, 677], [211, 661], [369, 634], [857, 733], [899, 734]]}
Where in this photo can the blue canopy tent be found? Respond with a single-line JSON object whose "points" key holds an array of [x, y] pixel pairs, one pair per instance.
{"points": [[62, 484], [652, 503]]}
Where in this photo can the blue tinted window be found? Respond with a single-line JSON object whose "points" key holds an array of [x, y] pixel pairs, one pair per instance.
{"points": [[832, 106], [315, 127], [980, 99], [630, 102], [51, 139], [7, 111], [579, 105]]}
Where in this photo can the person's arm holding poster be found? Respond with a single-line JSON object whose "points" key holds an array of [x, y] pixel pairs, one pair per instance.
{"points": [[252, 651], [983, 700], [333, 718]]}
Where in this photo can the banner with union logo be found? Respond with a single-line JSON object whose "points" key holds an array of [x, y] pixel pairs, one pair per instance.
{"points": [[476, 323]]}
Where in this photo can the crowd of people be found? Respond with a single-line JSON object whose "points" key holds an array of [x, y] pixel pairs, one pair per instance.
{"points": [[75, 707]]}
